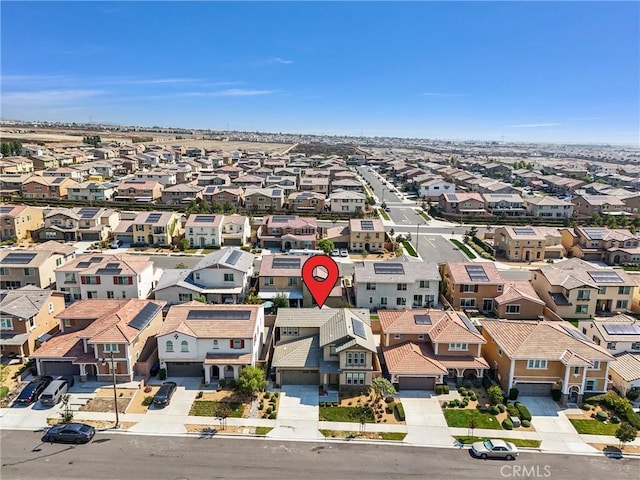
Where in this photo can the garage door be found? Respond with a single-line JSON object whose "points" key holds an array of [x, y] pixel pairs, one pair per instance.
{"points": [[417, 383], [299, 377], [59, 368], [184, 369], [534, 389]]}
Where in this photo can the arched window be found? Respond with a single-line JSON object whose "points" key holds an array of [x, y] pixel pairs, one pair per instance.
{"points": [[169, 346], [215, 344], [184, 346]]}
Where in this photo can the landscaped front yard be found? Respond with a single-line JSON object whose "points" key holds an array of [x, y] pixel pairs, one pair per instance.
{"points": [[593, 427], [209, 408], [358, 407], [397, 436], [461, 418], [207, 404]]}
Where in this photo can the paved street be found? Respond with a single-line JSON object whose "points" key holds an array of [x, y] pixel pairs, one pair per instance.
{"points": [[433, 248]]}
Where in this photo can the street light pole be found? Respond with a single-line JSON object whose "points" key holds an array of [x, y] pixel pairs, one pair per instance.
{"points": [[115, 391]]}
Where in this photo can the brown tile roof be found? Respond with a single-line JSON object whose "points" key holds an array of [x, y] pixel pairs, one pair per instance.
{"points": [[177, 321], [517, 290], [66, 345], [459, 275], [445, 325], [412, 358], [127, 264]]}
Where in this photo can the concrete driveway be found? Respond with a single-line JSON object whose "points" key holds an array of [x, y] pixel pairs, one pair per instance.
{"points": [[426, 424], [555, 429], [297, 413]]}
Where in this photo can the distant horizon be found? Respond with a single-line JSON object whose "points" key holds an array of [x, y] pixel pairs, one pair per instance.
{"points": [[508, 72]]}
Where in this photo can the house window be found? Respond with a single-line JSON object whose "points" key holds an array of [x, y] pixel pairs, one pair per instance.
{"points": [[622, 304], [383, 300], [355, 378], [583, 295], [402, 286], [356, 358], [237, 343], [184, 346], [499, 288], [537, 364], [66, 322], [467, 302], [168, 346], [4, 272], [584, 330], [215, 345], [228, 277], [6, 323], [111, 348], [602, 290], [268, 280], [371, 286], [421, 336], [417, 300], [290, 331], [196, 276], [424, 284], [582, 308], [92, 294], [624, 290], [458, 346], [500, 352], [29, 272], [109, 294], [185, 297], [576, 370], [397, 336], [595, 365], [635, 346], [513, 309], [401, 301], [293, 281], [124, 294], [596, 340], [332, 350], [611, 345], [590, 385], [69, 278], [370, 300]]}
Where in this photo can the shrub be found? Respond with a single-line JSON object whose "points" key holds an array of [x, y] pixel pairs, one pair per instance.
{"points": [[524, 412], [276, 394], [200, 394], [399, 412], [272, 415], [148, 400], [462, 405], [389, 408], [494, 410], [452, 403], [615, 419], [445, 404], [633, 395], [526, 423], [461, 390], [586, 407], [266, 395], [556, 395], [261, 406], [602, 415], [507, 424], [222, 383], [269, 410], [473, 397], [502, 408], [495, 394], [3, 392], [513, 394], [389, 400], [512, 410], [486, 382], [438, 389], [162, 374]]}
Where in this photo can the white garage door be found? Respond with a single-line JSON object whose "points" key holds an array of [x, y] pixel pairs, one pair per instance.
{"points": [[534, 389]]}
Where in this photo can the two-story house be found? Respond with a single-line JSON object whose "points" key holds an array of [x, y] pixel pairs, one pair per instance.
{"points": [[507, 204], [288, 231], [462, 204], [397, 283], [306, 202], [92, 191], [210, 341], [77, 224], [548, 206], [347, 202], [183, 193], [424, 347], [236, 230], [334, 348], [613, 246], [434, 187], [223, 195], [203, 230], [587, 205], [260, 199], [100, 337], [118, 276], [576, 289], [33, 266], [220, 277], [150, 229], [472, 286], [27, 316], [315, 184], [528, 244], [17, 221], [366, 235], [539, 356], [347, 185], [47, 187], [139, 191]]}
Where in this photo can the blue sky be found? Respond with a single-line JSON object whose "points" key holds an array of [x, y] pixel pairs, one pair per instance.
{"points": [[539, 71]]}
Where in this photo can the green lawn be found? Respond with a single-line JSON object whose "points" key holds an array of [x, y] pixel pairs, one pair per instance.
{"points": [[344, 414], [460, 418], [518, 442], [410, 250], [424, 215], [207, 408], [593, 427], [392, 435], [263, 430], [464, 248], [384, 214]]}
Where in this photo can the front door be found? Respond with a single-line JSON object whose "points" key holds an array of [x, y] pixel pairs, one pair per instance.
{"points": [[487, 304], [215, 372]]}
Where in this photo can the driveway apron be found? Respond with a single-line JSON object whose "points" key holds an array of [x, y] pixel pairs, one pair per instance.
{"points": [[426, 424], [297, 413]]}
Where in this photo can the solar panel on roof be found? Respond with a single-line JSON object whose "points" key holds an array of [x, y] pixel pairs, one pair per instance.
{"points": [[422, 319], [205, 218], [57, 180], [96, 259], [358, 328], [108, 271], [233, 257], [388, 268], [112, 265], [605, 277], [595, 233], [153, 217], [577, 334], [452, 196], [282, 262], [5, 209], [88, 212], [219, 315], [632, 329], [277, 192], [476, 273], [523, 231], [366, 224], [19, 258], [84, 264], [144, 316]]}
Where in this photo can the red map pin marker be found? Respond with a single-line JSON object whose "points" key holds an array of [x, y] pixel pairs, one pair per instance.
{"points": [[320, 274]]}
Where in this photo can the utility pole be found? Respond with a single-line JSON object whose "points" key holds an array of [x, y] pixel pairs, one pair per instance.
{"points": [[115, 391]]}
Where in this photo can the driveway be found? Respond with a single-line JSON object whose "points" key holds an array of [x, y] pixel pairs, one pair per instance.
{"points": [[555, 429], [297, 413], [426, 424]]}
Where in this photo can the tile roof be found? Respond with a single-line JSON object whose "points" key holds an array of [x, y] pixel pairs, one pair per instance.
{"points": [[574, 273], [177, 321], [519, 290], [412, 358], [23, 302], [414, 271], [119, 264], [301, 353], [459, 274], [355, 224], [627, 365]]}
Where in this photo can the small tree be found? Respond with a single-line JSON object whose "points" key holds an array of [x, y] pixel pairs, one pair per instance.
{"points": [[253, 298], [326, 245], [201, 299], [280, 301], [626, 433], [381, 388], [183, 244], [472, 424], [495, 395], [251, 381], [222, 412], [66, 414]]}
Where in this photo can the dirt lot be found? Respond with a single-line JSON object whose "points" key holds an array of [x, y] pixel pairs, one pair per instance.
{"points": [[103, 401], [136, 402], [614, 449], [98, 424], [195, 428]]}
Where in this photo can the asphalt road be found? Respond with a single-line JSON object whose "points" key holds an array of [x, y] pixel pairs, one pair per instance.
{"points": [[383, 192], [116, 456], [434, 248]]}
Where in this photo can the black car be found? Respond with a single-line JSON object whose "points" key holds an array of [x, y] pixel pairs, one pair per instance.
{"points": [[70, 432], [33, 390], [163, 397]]}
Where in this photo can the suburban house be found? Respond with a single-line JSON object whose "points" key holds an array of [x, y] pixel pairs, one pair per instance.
{"points": [[281, 275], [624, 372], [77, 224], [576, 289], [306, 202], [33, 266], [425, 347], [139, 191], [587, 205], [236, 230], [347, 185], [256, 199], [528, 244], [433, 188], [17, 221], [150, 229], [331, 347], [366, 235], [507, 204], [210, 341], [181, 193], [118, 276], [224, 195], [472, 285], [27, 316], [519, 300], [203, 230], [288, 231], [46, 187], [398, 283], [220, 277], [539, 356], [92, 191], [613, 246], [11, 185], [348, 202], [548, 206], [315, 184], [617, 334], [98, 337], [462, 204]]}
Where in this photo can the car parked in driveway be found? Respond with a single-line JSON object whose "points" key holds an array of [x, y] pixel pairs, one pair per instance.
{"points": [[344, 252], [493, 448], [70, 433], [163, 396], [33, 390], [335, 252]]}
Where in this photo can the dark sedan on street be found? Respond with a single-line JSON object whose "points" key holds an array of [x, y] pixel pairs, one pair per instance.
{"points": [[70, 433], [163, 396], [33, 390]]}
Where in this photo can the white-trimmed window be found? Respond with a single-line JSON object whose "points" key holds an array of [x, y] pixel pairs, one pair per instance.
{"points": [[635, 346], [268, 280], [356, 358], [402, 286], [590, 386], [424, 284], [537, 364], [371, 286], [228, 277], [111, 348], [582, 308], [383, 300], [611, 345], [184, 346], [66, 322], [185, 297], [467, 302], [355, 378], [458, 346], [513, 309], [595, 365], [467, 288], [168, 346], [6, 323], [401, 301]]}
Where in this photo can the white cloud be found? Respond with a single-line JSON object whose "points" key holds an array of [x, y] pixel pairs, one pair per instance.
{"points": [[441, 94], [230, 92], [534, 125], [48, 97], [281, 61]]}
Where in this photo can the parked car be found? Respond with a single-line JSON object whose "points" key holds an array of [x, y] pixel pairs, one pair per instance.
{"points": [[70, 432], [335, 253], [344, 252], [387, 209], [493, 448], [163, 396], [115, 244], [33, 390]]}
